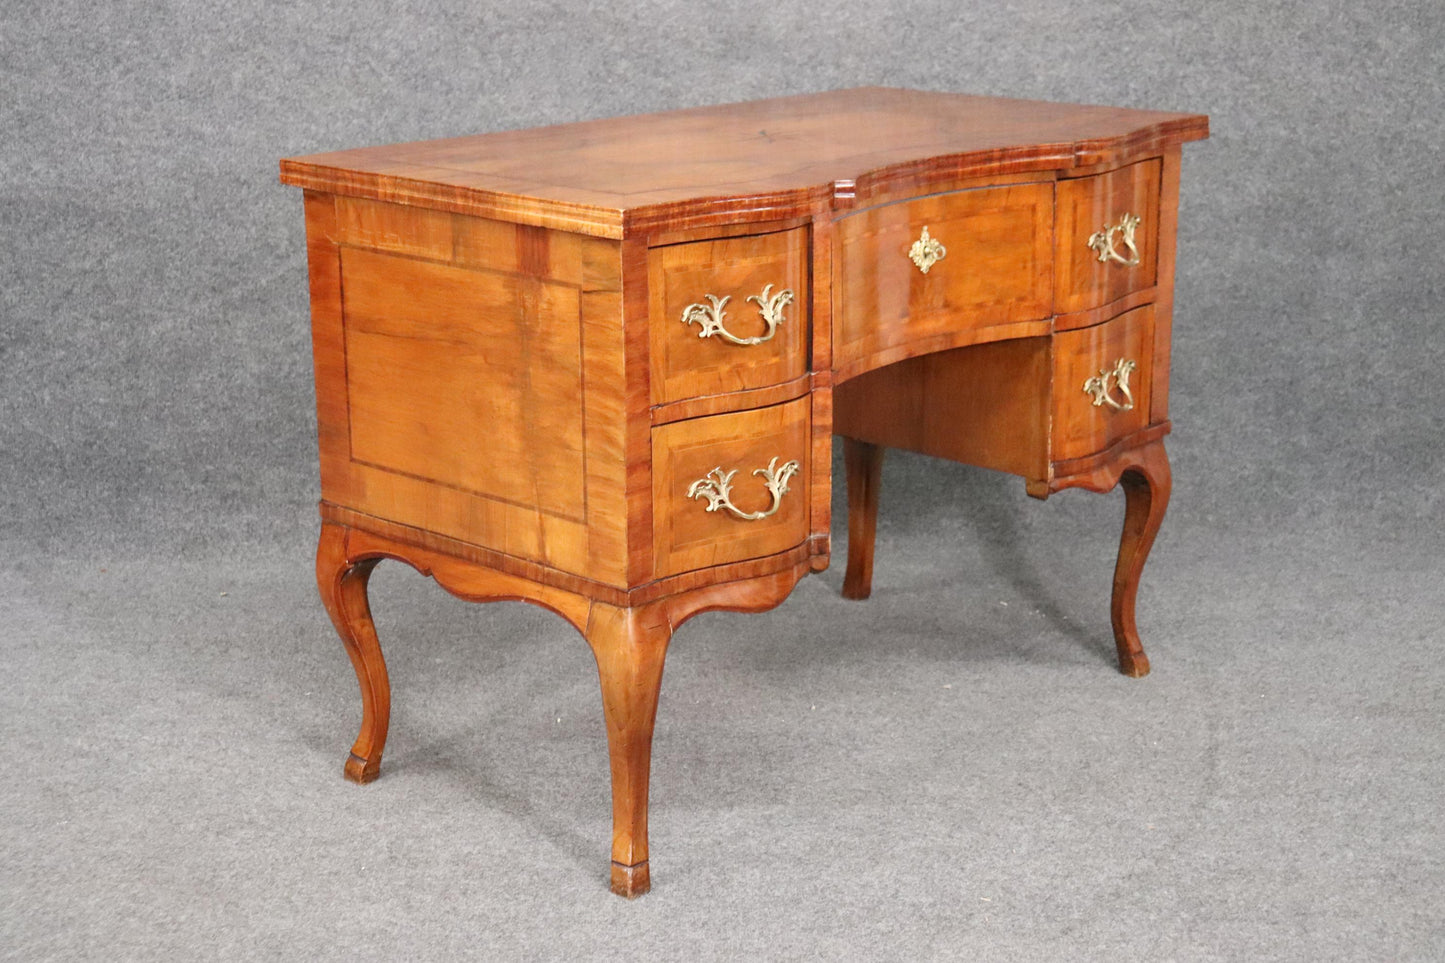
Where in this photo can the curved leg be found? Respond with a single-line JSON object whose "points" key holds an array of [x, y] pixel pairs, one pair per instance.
{"points": [[343, 590], [1146, 487], [864, 465], [629, 644]]}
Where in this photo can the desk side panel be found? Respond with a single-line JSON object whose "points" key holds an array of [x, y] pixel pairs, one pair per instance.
{"points": [[470, 380]]}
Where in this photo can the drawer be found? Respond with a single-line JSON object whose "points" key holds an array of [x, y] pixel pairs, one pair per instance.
{"points": [[937, 266], [728, 314], [1102, 380], [714, 498], [1108, 236]]}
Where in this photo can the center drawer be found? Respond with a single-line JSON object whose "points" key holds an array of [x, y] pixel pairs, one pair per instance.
{"points": [[730, 487], [940, 267]]}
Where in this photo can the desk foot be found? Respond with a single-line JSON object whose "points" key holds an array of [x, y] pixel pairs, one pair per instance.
{"points": [[1135, 665], [361, 771], [1146, 483], [631, 881], [864, 467], [342, 583]]}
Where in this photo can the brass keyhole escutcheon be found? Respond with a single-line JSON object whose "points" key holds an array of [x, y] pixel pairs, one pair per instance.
{"points": [[926, 251]]}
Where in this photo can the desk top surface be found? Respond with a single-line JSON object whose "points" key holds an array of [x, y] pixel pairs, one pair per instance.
{"points": [[624, 175]]}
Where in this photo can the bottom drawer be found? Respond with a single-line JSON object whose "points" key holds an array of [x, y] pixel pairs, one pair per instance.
{"points": [[1102, 378], [729, 487]]}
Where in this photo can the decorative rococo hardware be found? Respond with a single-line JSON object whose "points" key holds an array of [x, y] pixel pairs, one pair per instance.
{"points": [[926, 251], [711, 317], [1103, 241], [717, 486], [1099, 389]]}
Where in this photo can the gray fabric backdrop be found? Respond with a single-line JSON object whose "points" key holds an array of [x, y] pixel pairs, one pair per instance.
{"points": [[157, 449]]}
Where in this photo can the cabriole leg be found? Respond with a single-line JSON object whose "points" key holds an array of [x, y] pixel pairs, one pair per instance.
{"points": [[629, 645], [1146, 491], [864, 467], [342, 583]]}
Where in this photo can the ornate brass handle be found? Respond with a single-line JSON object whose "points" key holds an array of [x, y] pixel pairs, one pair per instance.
{"points": [[926, 251], [712, 319], [1103, 241], [1100, 390], [717, 486]]}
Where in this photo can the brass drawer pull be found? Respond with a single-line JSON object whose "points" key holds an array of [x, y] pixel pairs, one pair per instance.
{"points": [[717, 486], [926, 251], [1103, 241], [1099, 389], [712, 318]]}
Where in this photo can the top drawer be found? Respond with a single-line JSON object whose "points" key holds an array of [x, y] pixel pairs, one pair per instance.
{"points": [[938, 266], [729, 314], [1108, 236]]}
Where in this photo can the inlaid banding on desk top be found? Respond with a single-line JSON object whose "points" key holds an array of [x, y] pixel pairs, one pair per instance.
{"points": [[621, 175]]}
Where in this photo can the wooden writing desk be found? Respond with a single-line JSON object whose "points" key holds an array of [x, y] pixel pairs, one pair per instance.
{"points": [[598, 366]]}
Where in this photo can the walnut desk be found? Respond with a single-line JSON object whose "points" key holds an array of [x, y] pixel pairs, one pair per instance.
{"points": [[598, 366]]}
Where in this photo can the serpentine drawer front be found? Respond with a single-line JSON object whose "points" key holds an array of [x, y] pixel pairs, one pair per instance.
{"points": [[1101, 383], [730, 487], [728, 314], [933, 272], [1108, 236], [598, 367]]}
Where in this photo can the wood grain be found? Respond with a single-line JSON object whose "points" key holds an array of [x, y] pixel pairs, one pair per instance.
{"points": [[686, 365], [1080, 427], [418, 344], [1090, 204], [820, 482], [434, 545], [629, 645], [1144, 474], [628, 641], [820, 302], [342, 580], [632, 368], [732, 401], [1147, 484], [996, 270], [1164, 301], [433, 352], [686, 535], [1092, 316], [1067, 472], [863, 464], [985, 405], [509, 402], [778, 158]]}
